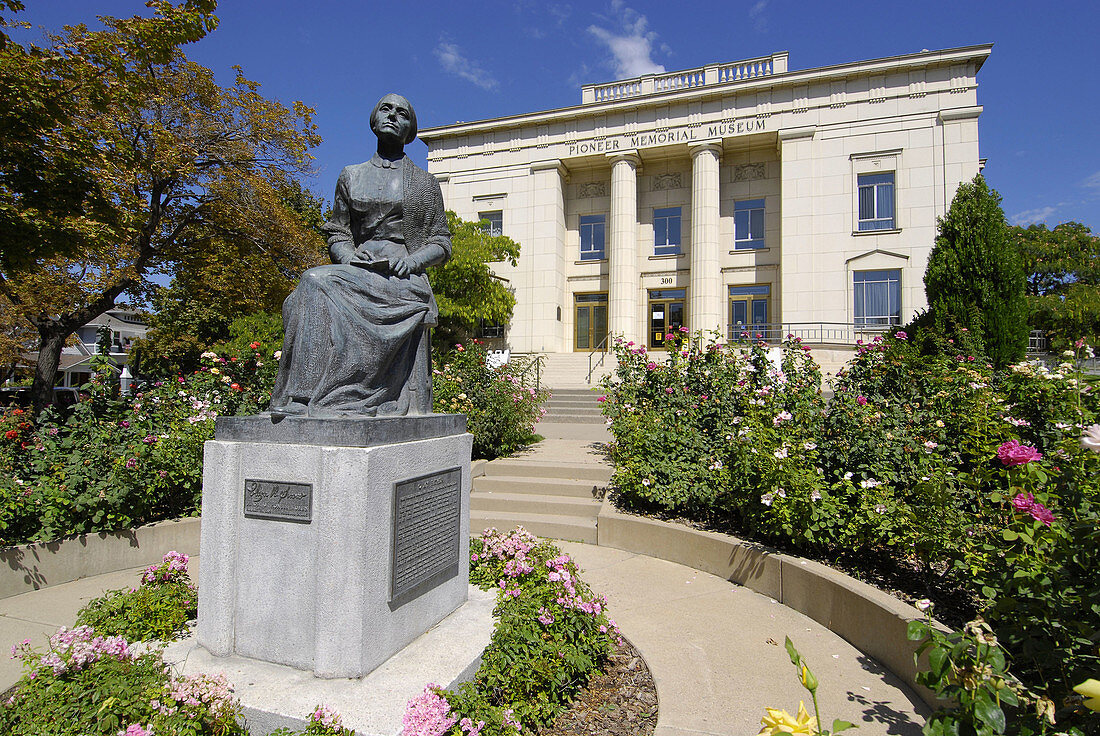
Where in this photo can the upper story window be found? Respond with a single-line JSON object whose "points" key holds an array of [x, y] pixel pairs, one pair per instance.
{"points": [[876, 201], [748, 224], [593, 229], [666, 231], [492, 223], [877, 298]]}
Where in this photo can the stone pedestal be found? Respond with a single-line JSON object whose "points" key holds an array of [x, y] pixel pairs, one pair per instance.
{"points": [[329, 544]]}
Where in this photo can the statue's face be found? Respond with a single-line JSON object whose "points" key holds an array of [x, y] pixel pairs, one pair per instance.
{"points": [[393, 119]]}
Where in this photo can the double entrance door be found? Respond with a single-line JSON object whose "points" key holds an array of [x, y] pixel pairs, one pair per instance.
{"points": [[590, 323], [667, 313]]}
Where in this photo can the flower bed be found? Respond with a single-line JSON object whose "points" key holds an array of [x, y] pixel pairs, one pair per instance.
{"points": [[925, 464], [551, 634]]}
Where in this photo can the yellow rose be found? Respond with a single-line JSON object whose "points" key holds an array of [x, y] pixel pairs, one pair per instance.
{"points": [[778, 722], [1091, 690], [215, 371], [808, 680]]}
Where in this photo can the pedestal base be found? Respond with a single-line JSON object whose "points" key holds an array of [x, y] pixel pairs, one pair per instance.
{"points": [[331, 558], [275, 696]]}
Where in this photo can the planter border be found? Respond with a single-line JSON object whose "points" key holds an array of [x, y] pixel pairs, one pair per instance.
{"points": [[869, 619], [35, 566]]}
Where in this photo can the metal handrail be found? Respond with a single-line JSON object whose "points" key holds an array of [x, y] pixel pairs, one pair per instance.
{"points": [[819, 333], [536, 365], [602, 350]]}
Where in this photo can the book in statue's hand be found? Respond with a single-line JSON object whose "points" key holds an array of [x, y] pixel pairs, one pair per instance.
{"points": [[374, 263]]}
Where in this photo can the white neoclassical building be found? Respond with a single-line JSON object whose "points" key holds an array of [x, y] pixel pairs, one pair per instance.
{"points": [[735, 197]]}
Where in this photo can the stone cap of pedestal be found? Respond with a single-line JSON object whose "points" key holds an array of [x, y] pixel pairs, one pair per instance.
{"points": [[350, 431]]}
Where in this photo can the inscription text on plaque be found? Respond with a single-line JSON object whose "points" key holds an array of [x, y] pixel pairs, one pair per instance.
{"points": [[425, 533], [270, 499]]}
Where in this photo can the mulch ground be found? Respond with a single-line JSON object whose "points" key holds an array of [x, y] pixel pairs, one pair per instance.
{"points": [[620, 701]]}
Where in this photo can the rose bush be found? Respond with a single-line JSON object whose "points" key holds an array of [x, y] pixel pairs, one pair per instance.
{"points": [[501, 407], [983, 483]]}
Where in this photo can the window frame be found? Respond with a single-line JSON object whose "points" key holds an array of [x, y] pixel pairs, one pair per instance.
{"points": [[749, 206], [594, 224], [666, 216], [876, 182], [494, 217], [886, 276]]}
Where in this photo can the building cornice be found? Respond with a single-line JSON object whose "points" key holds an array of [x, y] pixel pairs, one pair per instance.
{"points": [[976, 54]]}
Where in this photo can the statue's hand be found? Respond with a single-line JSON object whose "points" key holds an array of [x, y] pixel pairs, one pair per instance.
{"points": [[402, 267]]}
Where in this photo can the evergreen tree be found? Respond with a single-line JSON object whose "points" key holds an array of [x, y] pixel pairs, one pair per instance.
{"points": [[975, 277]]}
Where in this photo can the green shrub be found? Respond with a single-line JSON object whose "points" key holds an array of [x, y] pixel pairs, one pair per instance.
{"points": [[159, 608], [975, 273], [501, 410]]}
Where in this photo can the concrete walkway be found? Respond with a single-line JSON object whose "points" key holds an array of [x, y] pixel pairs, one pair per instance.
{"points": [[715, 649]]}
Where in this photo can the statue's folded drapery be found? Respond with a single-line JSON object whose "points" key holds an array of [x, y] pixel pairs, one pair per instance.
{"points": [[354, 330]]}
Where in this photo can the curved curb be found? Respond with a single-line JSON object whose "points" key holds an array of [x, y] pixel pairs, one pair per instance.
{"points": [[870, 620], [35, 566]]}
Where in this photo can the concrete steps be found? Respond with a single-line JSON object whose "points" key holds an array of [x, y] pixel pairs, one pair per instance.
{"points": [[573, 406], [570, 370], [558, 500]]}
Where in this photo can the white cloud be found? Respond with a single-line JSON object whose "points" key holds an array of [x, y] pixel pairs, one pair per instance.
{"points": [[756, 15], [452, 60], [1030, 217], [630, 43], [1093, 182]]}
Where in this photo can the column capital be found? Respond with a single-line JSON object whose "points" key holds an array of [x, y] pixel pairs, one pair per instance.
{"points": [[714, 146], [630, 156]]}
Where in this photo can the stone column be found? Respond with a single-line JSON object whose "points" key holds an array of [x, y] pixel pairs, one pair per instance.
{"points": [[706, 272], [623, 299], [545, 256]]}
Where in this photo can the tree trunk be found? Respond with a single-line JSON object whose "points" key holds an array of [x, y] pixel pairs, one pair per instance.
{"points": [[53, 338]]}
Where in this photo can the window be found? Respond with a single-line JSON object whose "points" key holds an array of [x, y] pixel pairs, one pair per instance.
{"points": [[592, 237], [748, 224], [876, 201], [495, 224], [748, 309], [878, 298], [666, 231]]}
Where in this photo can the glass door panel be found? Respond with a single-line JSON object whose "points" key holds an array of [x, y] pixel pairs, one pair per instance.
{"points": [[657, 324], [584, 326], [599, 326]]}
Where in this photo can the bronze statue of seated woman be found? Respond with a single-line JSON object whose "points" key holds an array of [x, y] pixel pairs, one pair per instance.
{"points": [[356, 338]]}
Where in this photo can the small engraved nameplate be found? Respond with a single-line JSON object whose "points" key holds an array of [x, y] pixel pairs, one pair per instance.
{"points": [[270, 499], [425, 533]]}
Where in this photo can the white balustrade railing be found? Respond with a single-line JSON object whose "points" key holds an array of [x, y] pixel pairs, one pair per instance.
{"points": [[688, 79]]}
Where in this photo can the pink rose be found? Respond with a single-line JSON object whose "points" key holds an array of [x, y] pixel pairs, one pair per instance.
{"points": [[1012, 453], [1042, 513], [1023, 502], [861, 400]]}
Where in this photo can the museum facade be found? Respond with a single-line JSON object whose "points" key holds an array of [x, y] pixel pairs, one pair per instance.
{"points": [[735, 197]]}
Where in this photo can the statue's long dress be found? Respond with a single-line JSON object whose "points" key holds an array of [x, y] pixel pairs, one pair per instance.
{"points": [[353, 333]]}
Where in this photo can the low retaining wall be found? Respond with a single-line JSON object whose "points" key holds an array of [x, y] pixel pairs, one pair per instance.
{"points": [[872, 621], [30, 567]]}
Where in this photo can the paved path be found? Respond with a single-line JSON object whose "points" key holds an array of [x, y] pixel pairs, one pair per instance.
{"points": [[716, 652]]}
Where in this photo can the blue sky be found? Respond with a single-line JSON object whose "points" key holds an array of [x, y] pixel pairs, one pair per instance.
{"points": [[467, 61]]}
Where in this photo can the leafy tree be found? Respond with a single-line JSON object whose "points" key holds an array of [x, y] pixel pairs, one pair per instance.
{"points": [[119, 156], [1063, 282], [975, 278], [218, 280], [465, 287]]}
